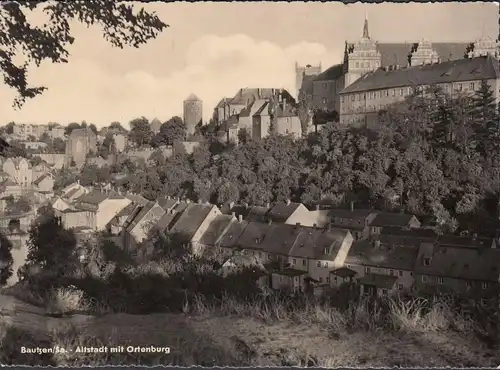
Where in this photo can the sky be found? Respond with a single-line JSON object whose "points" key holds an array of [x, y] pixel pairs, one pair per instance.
{"points": [[214, 49]]}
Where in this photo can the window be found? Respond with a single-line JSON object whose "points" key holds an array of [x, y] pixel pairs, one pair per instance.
{"points": [[459, 87], [484, 285], [353, 97], [325, 86], [357, 97], [269, 257], [468, 284], [424, 279], [342, 99], [427, 261], [401, 92], [328, 279], [357, 64], [324, 100], [294, 261], [471, 86], [384, 291], [400, 286], [411, 273], [391, 272], [260, 254], [367, 270], [400, 273], [348, 266], [440, 280], [325, 265], [393, 92], [320, 279], [303, 262], [318, 264], [386, 92]]}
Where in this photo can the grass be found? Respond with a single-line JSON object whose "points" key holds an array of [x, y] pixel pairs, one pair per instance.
{"points": [[208, 328]]}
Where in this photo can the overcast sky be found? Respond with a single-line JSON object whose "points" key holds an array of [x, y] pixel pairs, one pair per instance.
{"points": [[213, 49]]}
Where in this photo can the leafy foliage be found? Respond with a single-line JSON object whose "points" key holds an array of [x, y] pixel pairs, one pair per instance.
{"points": [[6, 260], [172, 130], [121, 25]]}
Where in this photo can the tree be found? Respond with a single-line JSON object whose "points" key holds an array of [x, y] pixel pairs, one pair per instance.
{"points": [[51, 247], [6, 260], [486, 119], [72, 126], [121, 25], [140, 131], [170, 131]]}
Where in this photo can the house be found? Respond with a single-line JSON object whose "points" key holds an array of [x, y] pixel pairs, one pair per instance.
{"points": [[289, 279], [463, 265], [171, 216], [230, 239], [378, 285], [57, 132], [115, 226], [393, 220], [100, 161], [319, 251], [41, 169], [287, 120], [355, 220], [290, 213], [261, 122], [44, 184], [34, 145], [194, 222], [82, 217], [238, 262], [215, 231], [73, 191], [20, 171], [138, 226]]}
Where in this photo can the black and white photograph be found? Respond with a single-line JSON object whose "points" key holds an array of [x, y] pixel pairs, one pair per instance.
{"points": [[250, 184]]}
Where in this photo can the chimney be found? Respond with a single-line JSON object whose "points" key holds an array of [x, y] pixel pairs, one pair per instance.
{"points": [[240, 218], [259, 93], [168, 197], [269, 221], [474, 236], [288, 202], [233, 214], [352, 206], [376, 243], [231, 205], [268, 205], [315, 226], [78, 182], [317, 207], [297, 224]]}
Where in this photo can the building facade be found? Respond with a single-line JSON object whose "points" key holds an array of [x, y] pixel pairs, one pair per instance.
{"points": [[80, 143]]}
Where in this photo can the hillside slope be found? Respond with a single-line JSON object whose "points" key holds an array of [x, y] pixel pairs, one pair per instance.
{"points": [[226, 340]]}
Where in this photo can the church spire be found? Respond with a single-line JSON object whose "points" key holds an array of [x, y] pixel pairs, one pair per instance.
{"points": [[366, 35]]}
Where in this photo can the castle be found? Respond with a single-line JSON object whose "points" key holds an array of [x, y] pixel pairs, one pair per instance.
{"points": [[321, 89]]}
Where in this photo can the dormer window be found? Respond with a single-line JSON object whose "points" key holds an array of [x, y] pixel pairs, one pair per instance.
{"points": [[427, 261], [326, 251]]}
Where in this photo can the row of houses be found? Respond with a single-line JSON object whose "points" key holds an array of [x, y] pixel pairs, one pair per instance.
{"points": [[299, 248]]}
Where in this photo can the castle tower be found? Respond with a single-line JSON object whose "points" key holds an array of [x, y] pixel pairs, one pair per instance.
{"points": [[363, 57], [424, 54], [308, 70], [193, 113]]}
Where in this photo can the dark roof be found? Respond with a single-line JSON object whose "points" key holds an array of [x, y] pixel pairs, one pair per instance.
{"points": [[256, 213], [167, 203], [331, 73], [279, 238], [191, 219], [313, 243], [464, 241], [138, 215], [379, 281], [136, 198], [343, 272], [391, 219], [127, 211], [41, 178], [282, 211], [232, 235], [479, 68], [290, 272], [216, 230], [420, 233], [356, 214], [368, 253], [253, 235], [94, 197], [459, 263], [248, 95]]}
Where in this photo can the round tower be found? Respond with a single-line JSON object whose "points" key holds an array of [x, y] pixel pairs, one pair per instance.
{"points": [[193, 113]]}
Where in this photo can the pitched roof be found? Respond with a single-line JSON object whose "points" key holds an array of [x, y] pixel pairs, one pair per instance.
{"points": [[290, 272], [248, 95], [231, 237], [137, 217], [331, 73], [95, 197], [167, 203], [313, 243], [256, 213], [369, 253], [355, 214], [216, 230], [343, 272], [127, 211], [192, 97], [191, 219], [479, 68], [279, 238], [391, 219], [222, 102], [136, 198], [252, 235], [420, 233], [41, 178], [459, 263], [282, 211]]}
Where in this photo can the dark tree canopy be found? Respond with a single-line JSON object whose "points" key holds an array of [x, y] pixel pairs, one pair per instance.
{"points": [[122, 25], [170, 131]]}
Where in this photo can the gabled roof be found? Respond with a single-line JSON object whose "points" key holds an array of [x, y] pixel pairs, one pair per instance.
{"points": [[216, 230], [256, 213], [248, 95], [330, 74], [191, 219], [355, 214], [282, 211], [313, 243], [231, 238], [222, 102], [138, 216], [369, 253], [96, 197], [379, 281], [41, 178], [167, 203], [384, 219], [136, 198], [480, 68], [343, 272], [280, 238]]}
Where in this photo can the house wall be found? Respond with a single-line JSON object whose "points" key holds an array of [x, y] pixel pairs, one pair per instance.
{"points": [[22, 175], [60, 205], [301, 215], [325, 94], [214, 212], [78, 219], [260, 126], [141, 230], [289, 126], [108, 209], [46, 185], [457, 285]]}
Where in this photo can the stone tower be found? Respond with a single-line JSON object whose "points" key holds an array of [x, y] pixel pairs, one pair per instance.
{"points": [[362, 58], [81, 142], [301, 71], [193, 113]]}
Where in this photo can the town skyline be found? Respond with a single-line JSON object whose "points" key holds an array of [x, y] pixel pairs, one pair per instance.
{"points": [[213, 59]]}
